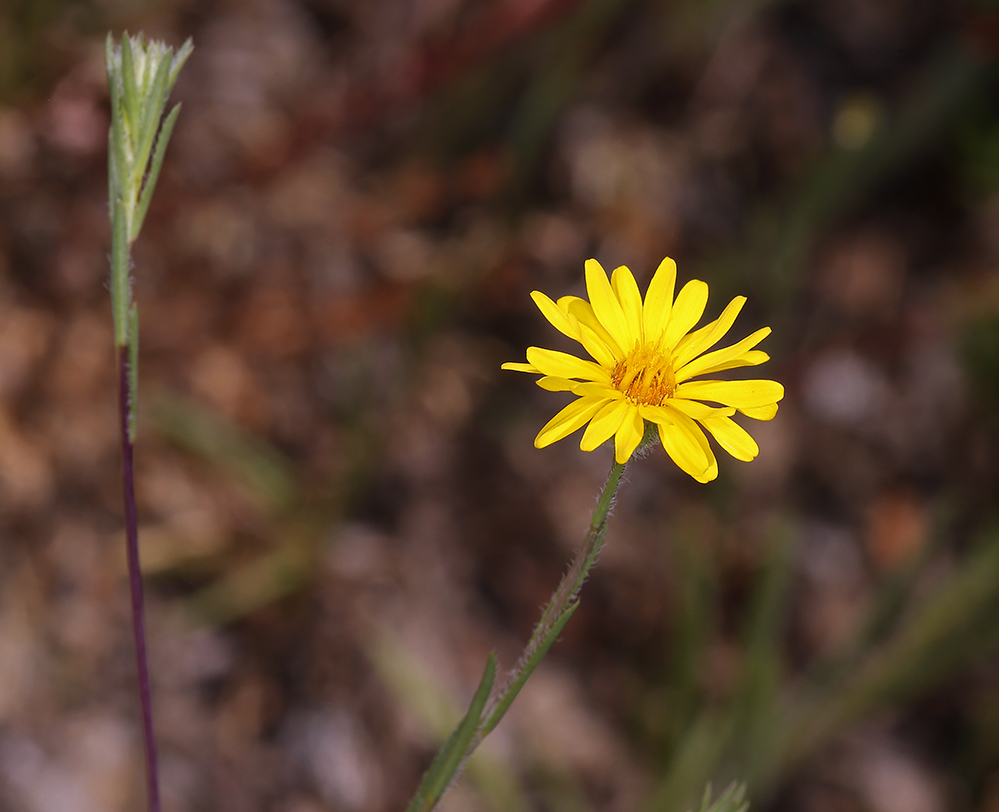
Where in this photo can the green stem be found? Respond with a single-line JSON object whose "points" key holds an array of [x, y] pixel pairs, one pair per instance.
{"points": [[562, 601], [483, 717]]}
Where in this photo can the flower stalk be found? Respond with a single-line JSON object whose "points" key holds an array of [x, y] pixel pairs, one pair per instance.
{"points": [[140, 77], [488, 707], [563, 601]]}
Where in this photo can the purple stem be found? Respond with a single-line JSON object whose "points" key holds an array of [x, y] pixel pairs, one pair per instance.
{"points": [[135, 584]]}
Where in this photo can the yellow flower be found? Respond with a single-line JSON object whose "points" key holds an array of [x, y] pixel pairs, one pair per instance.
{"points": [[644, 357]]}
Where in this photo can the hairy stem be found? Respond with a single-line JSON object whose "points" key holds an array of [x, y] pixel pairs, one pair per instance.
{"points": [[482, 717], [135, 580], [562, 600]]}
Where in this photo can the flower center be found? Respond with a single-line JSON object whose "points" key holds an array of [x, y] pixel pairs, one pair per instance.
{"points": [[645, 376]]}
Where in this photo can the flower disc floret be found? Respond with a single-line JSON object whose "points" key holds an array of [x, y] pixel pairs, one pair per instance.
{"points": [[645, 376], [644, 354]]}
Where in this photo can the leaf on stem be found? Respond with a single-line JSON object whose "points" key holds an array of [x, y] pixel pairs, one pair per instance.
{"points": [[120, 294], [150, 121], [117, 161], [154, 170], [179, 59], [446, 763], [510, 693], [731, 800], [128, 82]]}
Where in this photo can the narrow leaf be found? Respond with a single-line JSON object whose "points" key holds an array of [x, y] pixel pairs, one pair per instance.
{"points": [[112, 175], [131, 96], [109, 56], [732, 800], [109, 67], [120, 292], [421, 798], [150, 120], [154, 170], [179, 59], [446, 763], [116, 147], [527, 669], [706, 800]]}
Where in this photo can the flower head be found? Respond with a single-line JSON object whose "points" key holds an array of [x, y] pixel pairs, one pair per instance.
{"points": [[645, 355]]}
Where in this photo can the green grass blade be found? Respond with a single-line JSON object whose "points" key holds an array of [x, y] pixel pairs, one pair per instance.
{"points": [[112, 173], [926, 648], [131, 93], [205, 433], [179, 59], [120, 293], [731, 800], [154, 170], [120, 168], [446, 763], [763, 665], [694, 760], [150, 123], [116, 147], [422, 796], [706, 799]]}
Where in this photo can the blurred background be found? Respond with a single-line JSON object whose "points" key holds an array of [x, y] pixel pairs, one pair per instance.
{"points": [[342, 511]]}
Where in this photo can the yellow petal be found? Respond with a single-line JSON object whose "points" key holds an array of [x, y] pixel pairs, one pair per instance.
{"points": [[553, 384], [659, 300], [740, 394], [597, 390], [604, 424], [559, 319], [567, 421], [687, 311], [656, 414], [626, 290], [747, 359], [715, 361], [581, 310], [628, 436], [562, 365], [688, 448], [732, 437], [693, 344], [606, 306], [767, 412], [697, 410], [596, 346], [518, 367]]}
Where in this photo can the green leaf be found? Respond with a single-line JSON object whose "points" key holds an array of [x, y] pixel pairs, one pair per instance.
{"points": [[131, 106], [154, 170], [179, 59], [120, 293], [447, 762], [205, 433], [116, 148], [109, 68], [731, 800], [496, 713], [150, 120]]}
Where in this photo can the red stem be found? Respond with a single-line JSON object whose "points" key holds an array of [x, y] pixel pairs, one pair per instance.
{"points": [[135, 585]]}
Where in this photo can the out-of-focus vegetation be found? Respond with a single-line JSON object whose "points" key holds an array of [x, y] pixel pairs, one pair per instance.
{"points": [[343, 511]]}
